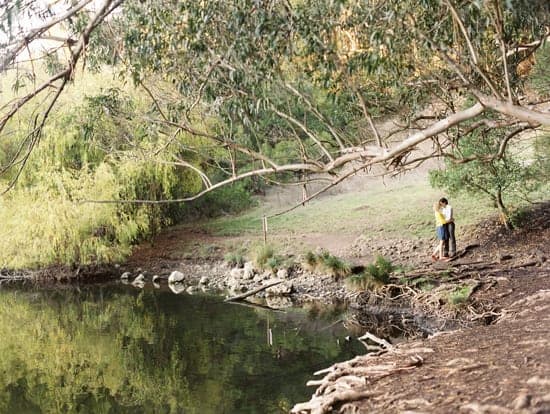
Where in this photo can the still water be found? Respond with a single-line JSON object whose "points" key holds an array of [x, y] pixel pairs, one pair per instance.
{"points": [[117, 349]]}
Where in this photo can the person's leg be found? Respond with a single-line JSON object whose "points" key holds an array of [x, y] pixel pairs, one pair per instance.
{"points": [[451, 243], [446, 241], [440, 249]]}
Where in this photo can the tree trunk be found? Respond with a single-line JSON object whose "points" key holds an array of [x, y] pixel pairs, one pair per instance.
{"points": [[503, 210]]}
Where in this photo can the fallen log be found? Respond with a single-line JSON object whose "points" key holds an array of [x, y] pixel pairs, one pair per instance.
{"points": [[252, 292]]}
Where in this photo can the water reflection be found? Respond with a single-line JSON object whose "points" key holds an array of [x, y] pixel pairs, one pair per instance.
{"points": [[117, 349]]}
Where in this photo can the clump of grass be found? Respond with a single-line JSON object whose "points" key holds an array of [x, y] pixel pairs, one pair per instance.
{"points": [[460, 295], [310, 261], [264, 257], [324, 262], [274, 263], [375, 275], [363, 281], [234, 259], [381, 269], [333, 265]]}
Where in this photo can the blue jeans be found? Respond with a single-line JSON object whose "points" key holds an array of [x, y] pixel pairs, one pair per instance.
{"points": [[449, 245]]}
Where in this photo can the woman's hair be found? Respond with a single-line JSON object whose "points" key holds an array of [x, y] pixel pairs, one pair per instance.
{"points": [[437, 205]]}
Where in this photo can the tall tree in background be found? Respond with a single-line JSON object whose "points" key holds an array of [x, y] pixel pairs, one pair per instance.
{"points": [[247, 76]]}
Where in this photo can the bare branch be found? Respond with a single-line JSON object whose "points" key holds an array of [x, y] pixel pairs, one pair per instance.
{"points": [[300, 125], [369, 118], [317, 113], [534, 117], [37, 32]]}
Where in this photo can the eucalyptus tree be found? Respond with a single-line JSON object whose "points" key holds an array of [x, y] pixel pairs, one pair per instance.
{"points": [[231, 80]]}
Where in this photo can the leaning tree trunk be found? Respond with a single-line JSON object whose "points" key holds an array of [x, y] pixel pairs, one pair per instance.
{"points": [[504, 217]]}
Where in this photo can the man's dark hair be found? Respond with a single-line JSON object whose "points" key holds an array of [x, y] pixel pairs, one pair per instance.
{"points": [[443, 200]]}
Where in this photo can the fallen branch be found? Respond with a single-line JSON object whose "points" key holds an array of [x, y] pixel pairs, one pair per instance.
{"points": [[382, 342], [252, 292]]}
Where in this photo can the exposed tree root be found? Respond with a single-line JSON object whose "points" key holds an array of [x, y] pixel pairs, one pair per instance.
{"points": [[352, 380]]}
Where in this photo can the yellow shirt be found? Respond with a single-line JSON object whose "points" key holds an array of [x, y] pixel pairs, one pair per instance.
{"points": [[439, 218]]}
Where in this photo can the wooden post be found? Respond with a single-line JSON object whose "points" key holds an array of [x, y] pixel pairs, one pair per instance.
{"points": [[264, 226]]}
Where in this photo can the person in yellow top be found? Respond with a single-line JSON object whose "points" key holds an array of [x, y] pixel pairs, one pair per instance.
{"points": [[441, 232]]}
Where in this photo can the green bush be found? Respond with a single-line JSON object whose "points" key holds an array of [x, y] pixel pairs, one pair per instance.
{"points": [[261, 255], [274, 263], [325, 262], [460, 295], [380, 269], [375, 275], [234, 259], [334, 265], [310, 261]]}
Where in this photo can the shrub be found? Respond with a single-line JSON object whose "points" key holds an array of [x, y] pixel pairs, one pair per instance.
{"points": [[334, 265], [310, 261], [460, 295], [273, 263], [363, 281], [261, 255], [234, 259], [380, 269], [375, 275]]}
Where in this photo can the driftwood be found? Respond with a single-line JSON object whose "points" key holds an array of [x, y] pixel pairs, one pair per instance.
{"points": [[252, 292]]}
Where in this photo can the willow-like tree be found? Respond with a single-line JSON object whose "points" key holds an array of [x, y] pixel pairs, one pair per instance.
{"points": [[251, 76]]}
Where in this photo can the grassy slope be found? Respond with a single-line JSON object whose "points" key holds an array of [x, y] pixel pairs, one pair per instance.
{"points": [[403, 209]]}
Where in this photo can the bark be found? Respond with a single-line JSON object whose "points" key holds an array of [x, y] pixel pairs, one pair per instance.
{"points": [[522, 113], [502, 210]]}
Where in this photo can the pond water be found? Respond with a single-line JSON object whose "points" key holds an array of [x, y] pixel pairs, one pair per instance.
{"points": [[117, 349]]}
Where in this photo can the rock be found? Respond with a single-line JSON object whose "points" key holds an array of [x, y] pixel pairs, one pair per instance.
{"points": [[260, 278], [155, 278], [522, 401], [236, 273], [248, 271], [192, 289], [278, 302], [139, 284], [237, 287], [125, 275], [177, 288], [205, 280], [139, 279], [282, 274], [175, 277], [282, 289]]}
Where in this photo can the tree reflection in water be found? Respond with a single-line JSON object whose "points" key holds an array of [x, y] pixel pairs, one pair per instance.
{"points": [[116, 349]]}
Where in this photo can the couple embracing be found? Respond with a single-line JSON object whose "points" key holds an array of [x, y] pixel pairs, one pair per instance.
{"points": [[445, 230]]}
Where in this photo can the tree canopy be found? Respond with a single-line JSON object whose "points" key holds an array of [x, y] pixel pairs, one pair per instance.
{"points": [[245, 76]]}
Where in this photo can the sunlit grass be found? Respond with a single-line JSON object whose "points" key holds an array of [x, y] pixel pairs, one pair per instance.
{"points": [[404, 211]]}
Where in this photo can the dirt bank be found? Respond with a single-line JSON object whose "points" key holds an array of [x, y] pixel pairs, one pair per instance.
{"points": [[499, 365]]}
